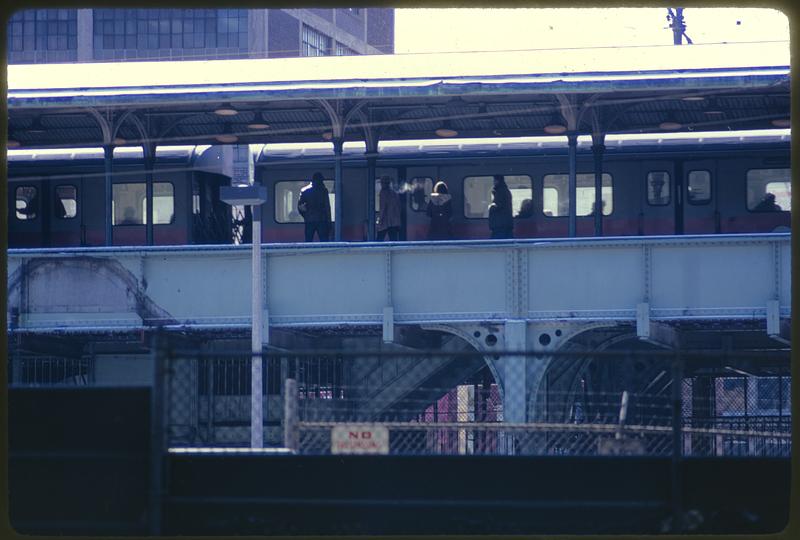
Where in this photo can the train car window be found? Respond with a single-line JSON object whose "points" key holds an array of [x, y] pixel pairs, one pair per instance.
{"points": [[66, 202], [699, 187], [658, 188], [129, 204], [555, 194], [420, 188], [769, 190], [26, 203], [195, 196], [287, 193], [478, 194]]}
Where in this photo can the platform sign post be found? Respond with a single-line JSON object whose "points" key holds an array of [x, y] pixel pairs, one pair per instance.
{"points": [[254, 196]]}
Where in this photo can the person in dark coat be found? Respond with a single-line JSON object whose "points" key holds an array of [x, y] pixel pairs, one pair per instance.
{"points": [[501, 220], [440, 209], [315, 207]]}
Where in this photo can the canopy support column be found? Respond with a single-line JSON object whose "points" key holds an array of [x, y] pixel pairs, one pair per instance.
{"points": [[108, 156], [572, 139], [338, 143], [370, 199], [149, 164], [597, 150]]}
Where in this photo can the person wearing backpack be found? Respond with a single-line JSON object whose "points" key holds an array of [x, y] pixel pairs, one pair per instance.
{"points": [[440, 209], [315, 207]]}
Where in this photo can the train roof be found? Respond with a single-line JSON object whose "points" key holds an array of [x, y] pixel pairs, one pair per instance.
{"points": [[525, 145], [482, 93], [202, 157]]}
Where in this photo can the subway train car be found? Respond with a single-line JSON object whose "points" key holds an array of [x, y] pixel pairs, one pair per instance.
{"points": [[652, 185], [56, 197]]}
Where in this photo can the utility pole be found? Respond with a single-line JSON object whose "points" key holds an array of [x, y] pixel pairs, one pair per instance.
{"points": [[678, 26]]}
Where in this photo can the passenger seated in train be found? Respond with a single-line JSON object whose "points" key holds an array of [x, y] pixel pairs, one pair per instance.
{"points": [[129, 217], [389, 211], [440, 210], [525, 209], [767, 204], [315, 207], [594, 206], [501, 221]]}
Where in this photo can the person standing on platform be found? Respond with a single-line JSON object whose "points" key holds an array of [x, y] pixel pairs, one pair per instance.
{"points": [[315, 207], [389, 211], [501, 220], [440, 209]]}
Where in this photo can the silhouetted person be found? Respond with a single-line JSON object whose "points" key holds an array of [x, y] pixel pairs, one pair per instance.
{"points": [[440, 209], [525, 210], [129, 216], [315, 207], [767, 204], [501, 221], [389, 211]]}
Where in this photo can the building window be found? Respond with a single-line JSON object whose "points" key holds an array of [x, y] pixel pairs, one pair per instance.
{"points": [[287, 194], [344, 50], [769, 190], [43, 30], [150, 29], [421, 188], [66, 206], [129, 205], [699, 187], [315, 43], [658, 188], [478, 194], [27, 203], [555, 194]]}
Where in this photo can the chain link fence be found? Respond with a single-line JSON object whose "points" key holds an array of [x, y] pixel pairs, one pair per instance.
{"points": [[432, 403], [593, 409]]}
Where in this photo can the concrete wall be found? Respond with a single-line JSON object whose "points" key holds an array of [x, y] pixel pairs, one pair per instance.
{"points": [[380, 29], [283, 35]]}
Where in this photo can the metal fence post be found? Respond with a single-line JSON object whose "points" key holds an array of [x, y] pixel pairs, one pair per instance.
{"points": [[291, 435], [157, 426], [677, 384]]}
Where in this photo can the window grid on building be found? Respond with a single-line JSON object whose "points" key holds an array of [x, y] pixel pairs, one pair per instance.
{"points": [[150, 29], [43, 30], [344, 50], [315, 43]]}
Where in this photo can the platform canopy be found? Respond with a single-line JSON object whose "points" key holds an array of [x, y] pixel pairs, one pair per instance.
{"points": [[404, 96]]}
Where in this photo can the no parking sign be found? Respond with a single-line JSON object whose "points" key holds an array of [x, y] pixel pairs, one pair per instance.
{"points": [[360, 439]]}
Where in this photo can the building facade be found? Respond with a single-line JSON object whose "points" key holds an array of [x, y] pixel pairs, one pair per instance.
{"points": [[103, 35]]}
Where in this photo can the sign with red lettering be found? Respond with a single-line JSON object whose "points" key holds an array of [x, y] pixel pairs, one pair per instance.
{"points": [[360, 439]]}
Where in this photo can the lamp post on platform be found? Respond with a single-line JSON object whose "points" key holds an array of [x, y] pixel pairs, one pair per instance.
{"points": [[253, 196]]}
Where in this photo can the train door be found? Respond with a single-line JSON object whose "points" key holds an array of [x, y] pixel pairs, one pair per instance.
{"points": [[658, 215], [26, 216], [700, 201], [419, 182], [66, 213]]}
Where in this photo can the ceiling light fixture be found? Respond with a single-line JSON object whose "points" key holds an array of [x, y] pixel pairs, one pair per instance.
{"points": [[226, 109], [693, 98], [446, 130], [119, 141], [781, 122], [12, 143], [670, 125], [258, 122], [555, 126], [227, 136], [327, 135]]}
